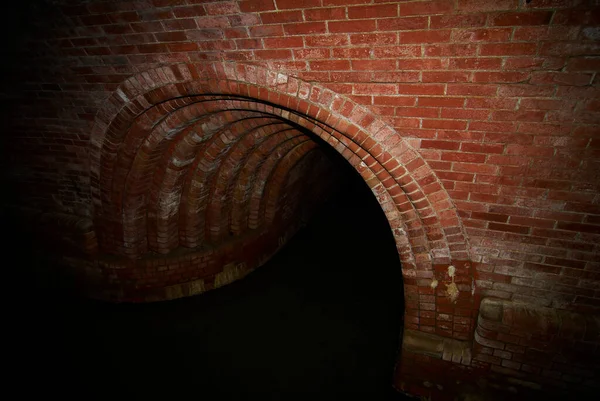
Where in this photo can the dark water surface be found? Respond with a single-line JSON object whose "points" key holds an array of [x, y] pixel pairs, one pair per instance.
{"points": [[321, 320]]}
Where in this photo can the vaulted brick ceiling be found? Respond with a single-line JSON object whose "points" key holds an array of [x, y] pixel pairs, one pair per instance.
{"points": [[195, 170]]}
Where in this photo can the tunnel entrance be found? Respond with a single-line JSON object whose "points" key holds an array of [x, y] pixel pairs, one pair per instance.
{"points": [[194, 167], [184, 156]]}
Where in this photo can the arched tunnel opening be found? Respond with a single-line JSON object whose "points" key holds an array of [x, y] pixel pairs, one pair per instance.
{"points": [[196, 192], [321, 312]]}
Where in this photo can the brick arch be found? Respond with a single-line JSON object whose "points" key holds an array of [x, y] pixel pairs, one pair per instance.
{"points": [[219, 202], [206, 169], [172, 179], [425, 223], [145, 162], [270, 198], [246, 180]]}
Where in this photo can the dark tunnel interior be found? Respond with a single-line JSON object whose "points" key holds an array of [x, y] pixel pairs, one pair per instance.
{"points": [[321, 319]]}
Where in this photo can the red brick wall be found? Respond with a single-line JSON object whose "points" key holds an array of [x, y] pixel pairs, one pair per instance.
{"points": [[499, 99]]}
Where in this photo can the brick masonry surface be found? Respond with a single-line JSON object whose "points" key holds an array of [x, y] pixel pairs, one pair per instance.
{"points": [[154, 135]]}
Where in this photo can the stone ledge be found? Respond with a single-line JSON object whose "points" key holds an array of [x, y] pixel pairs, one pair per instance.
{"points": [[552, 350], [535, 320], [448, 349]]}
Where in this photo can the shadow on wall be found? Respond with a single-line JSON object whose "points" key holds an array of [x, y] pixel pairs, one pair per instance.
{"points": [[321, 319]]}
